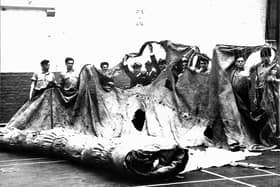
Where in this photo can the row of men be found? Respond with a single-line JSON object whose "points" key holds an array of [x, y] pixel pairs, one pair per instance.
{"points": [[265, 71], [68, 80], [154, 67], [137, 76], [263, 78]]}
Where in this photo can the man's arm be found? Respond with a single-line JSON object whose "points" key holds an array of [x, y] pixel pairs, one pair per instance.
{"points": [[61, 80], [126, 70], [33, 83], [192, 67], [154, 63], [267, 71], [153, 59], [250, 67], [52, 81], [277, 71]]}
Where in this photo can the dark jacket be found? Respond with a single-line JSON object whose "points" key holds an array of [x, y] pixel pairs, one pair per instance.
{"points": [[135, 79]]}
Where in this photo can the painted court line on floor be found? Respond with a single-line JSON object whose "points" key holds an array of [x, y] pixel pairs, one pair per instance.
{"points": [[209, 180], [258, 169], [23, 159], [227, 178], [252, 176], [185, 182], [33, 163]]}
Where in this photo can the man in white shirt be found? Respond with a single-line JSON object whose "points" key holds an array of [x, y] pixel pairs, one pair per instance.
{"points": [[69, 79], [136, 77], [104, 68], [263, 71], [41, 80], [201, 64]]}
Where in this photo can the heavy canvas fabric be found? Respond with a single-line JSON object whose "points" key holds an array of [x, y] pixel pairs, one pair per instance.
{"points": [[188, 110], [258, 124]]}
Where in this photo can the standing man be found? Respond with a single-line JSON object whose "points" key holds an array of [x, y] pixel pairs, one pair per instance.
{"points": [[240, 81], [69, 79], [136, 77], [41, 80], [263, 71], [267, 88], [104, 68], [150, 74], [201, 64], [254, 122]]}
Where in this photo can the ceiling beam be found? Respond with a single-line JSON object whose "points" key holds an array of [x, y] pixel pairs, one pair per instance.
{"points": [[50, 11]]}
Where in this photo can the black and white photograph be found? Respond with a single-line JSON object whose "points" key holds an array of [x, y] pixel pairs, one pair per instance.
{"points": [[140, 93]]}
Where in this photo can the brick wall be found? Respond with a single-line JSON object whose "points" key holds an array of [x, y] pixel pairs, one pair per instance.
{"points": [[14, 91], [15, 87]]}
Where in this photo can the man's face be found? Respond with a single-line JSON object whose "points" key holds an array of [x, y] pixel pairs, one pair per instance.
{"points": [[45, 67], [203, 64], [104, 67], [184, 64], [184, 58], [240, 62], [162, 66], [69, 65], [148, 68], [266, 59], [137, 70]]}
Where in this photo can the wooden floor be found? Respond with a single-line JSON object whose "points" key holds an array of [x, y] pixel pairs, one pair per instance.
{"points": [[18, 169]]}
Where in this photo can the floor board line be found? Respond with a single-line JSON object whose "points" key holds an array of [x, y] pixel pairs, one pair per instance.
{"points": [[33, 163], [230, 179], [209, 180], [185, 182], [22, 159], [252, 176], [266, 171]]}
